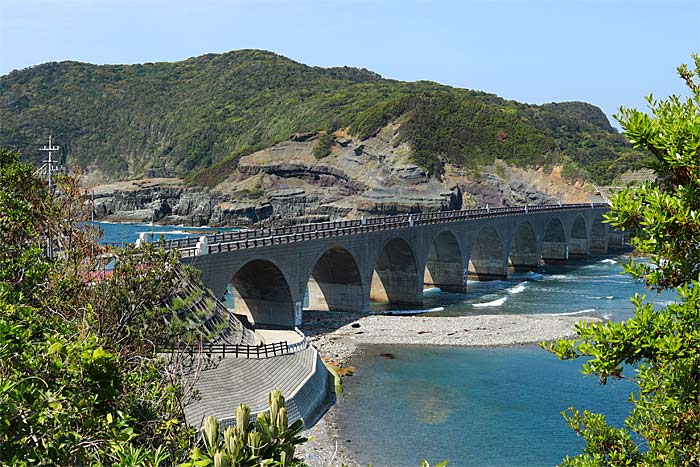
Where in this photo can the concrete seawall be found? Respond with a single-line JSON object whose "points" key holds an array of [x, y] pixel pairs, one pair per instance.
{"points": [[302, 377]]}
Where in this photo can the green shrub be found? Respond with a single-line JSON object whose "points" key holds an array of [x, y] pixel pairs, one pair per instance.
{"points": [[268, 440], [324, 145]]}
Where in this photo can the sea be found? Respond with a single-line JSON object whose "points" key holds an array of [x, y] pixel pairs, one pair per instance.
{"points": [[489, 407], [480, 407]]}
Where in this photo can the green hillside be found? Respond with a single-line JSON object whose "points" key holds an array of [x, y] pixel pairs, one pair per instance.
{"points": [[197, 116]]}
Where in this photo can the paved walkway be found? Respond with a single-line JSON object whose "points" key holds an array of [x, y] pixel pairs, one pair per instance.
{"points": [[269, 336]]}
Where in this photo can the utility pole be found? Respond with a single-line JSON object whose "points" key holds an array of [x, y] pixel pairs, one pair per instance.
{"points": [[47, 169], [49, 166]]}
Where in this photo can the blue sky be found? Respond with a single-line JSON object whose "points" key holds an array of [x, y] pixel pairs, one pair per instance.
{"points": [[607, 52]]}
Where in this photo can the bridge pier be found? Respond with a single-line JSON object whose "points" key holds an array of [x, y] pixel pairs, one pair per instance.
{"points": [[524, 263], [523, 249], [448, 276], [326, 296], [578, 248], [396, 287], [394, 277], [488, 270], [599, 237], [335, 283], [616, 239], [554, 251]]}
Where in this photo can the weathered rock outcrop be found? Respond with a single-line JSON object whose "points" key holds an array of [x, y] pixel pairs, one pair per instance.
{"points": [[287, 183]]}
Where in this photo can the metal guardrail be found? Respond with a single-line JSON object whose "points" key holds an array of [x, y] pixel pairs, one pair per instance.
{"points": [[255, 351], [245, 239], [234, 241], [248, 351]]}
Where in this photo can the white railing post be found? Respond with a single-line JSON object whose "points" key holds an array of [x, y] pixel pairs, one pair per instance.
{"points": [[202, 247], [141, 240]]}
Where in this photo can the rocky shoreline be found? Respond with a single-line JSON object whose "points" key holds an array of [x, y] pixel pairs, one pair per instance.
{"points": [[339, 336]]}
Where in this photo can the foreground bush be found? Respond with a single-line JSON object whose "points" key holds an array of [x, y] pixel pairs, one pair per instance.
{"points": [[270, 440], [658, 349]]}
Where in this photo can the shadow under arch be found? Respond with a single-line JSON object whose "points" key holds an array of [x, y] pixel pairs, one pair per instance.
{"points": [[578, 240], [486, 261], [444, 267], [395, 276], [523, 254], [335, 283], [261, 293], [554, 243]]}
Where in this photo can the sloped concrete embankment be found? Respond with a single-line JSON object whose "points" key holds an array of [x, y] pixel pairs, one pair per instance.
{"points": [[301, 376]]}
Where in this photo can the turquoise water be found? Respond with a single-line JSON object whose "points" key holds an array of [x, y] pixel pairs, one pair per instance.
{"points": [[596, 286], [129, 233], [475, 407], [488, 407]]}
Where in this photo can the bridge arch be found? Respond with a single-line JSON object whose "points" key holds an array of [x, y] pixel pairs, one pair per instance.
{"points": [[578, 240], [444, 267], [599, 235], [487, 259], [523, 254], [395, 276], [554, 242], [335, 282], [262, 294]]}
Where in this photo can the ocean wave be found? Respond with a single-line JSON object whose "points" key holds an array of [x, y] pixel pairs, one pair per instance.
{"points": [[498, 302], [608, 261], [532, 275], [413, 312], [431, 290], [517, 288], [607, 297], [574, 313], [559, 277]]}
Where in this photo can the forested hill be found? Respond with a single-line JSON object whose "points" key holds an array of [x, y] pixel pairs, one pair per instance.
{"points": [[201, 114]]}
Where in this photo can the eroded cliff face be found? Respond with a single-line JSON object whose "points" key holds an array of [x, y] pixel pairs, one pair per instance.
{"points": [[291, 183]]}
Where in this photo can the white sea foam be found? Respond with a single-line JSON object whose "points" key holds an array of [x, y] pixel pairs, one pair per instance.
{"points": [[517, 288], [609, 297], [432, 290], [413, 312], [498, 302], [558, 277], [608, 261], [574, 313]]}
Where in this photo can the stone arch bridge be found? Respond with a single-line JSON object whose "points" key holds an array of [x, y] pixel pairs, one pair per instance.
{"points": [[345, 264]]}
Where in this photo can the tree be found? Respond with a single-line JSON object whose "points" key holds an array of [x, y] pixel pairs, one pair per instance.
{"points": [[82, 378], [658, 349], [78, 383]]}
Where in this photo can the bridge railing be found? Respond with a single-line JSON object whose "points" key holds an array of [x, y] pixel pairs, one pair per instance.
{"points": [[281, 236], [243, 239], [248, 351]]}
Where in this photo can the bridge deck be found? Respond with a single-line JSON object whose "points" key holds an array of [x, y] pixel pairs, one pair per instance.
{"points": [[245, 239]]}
